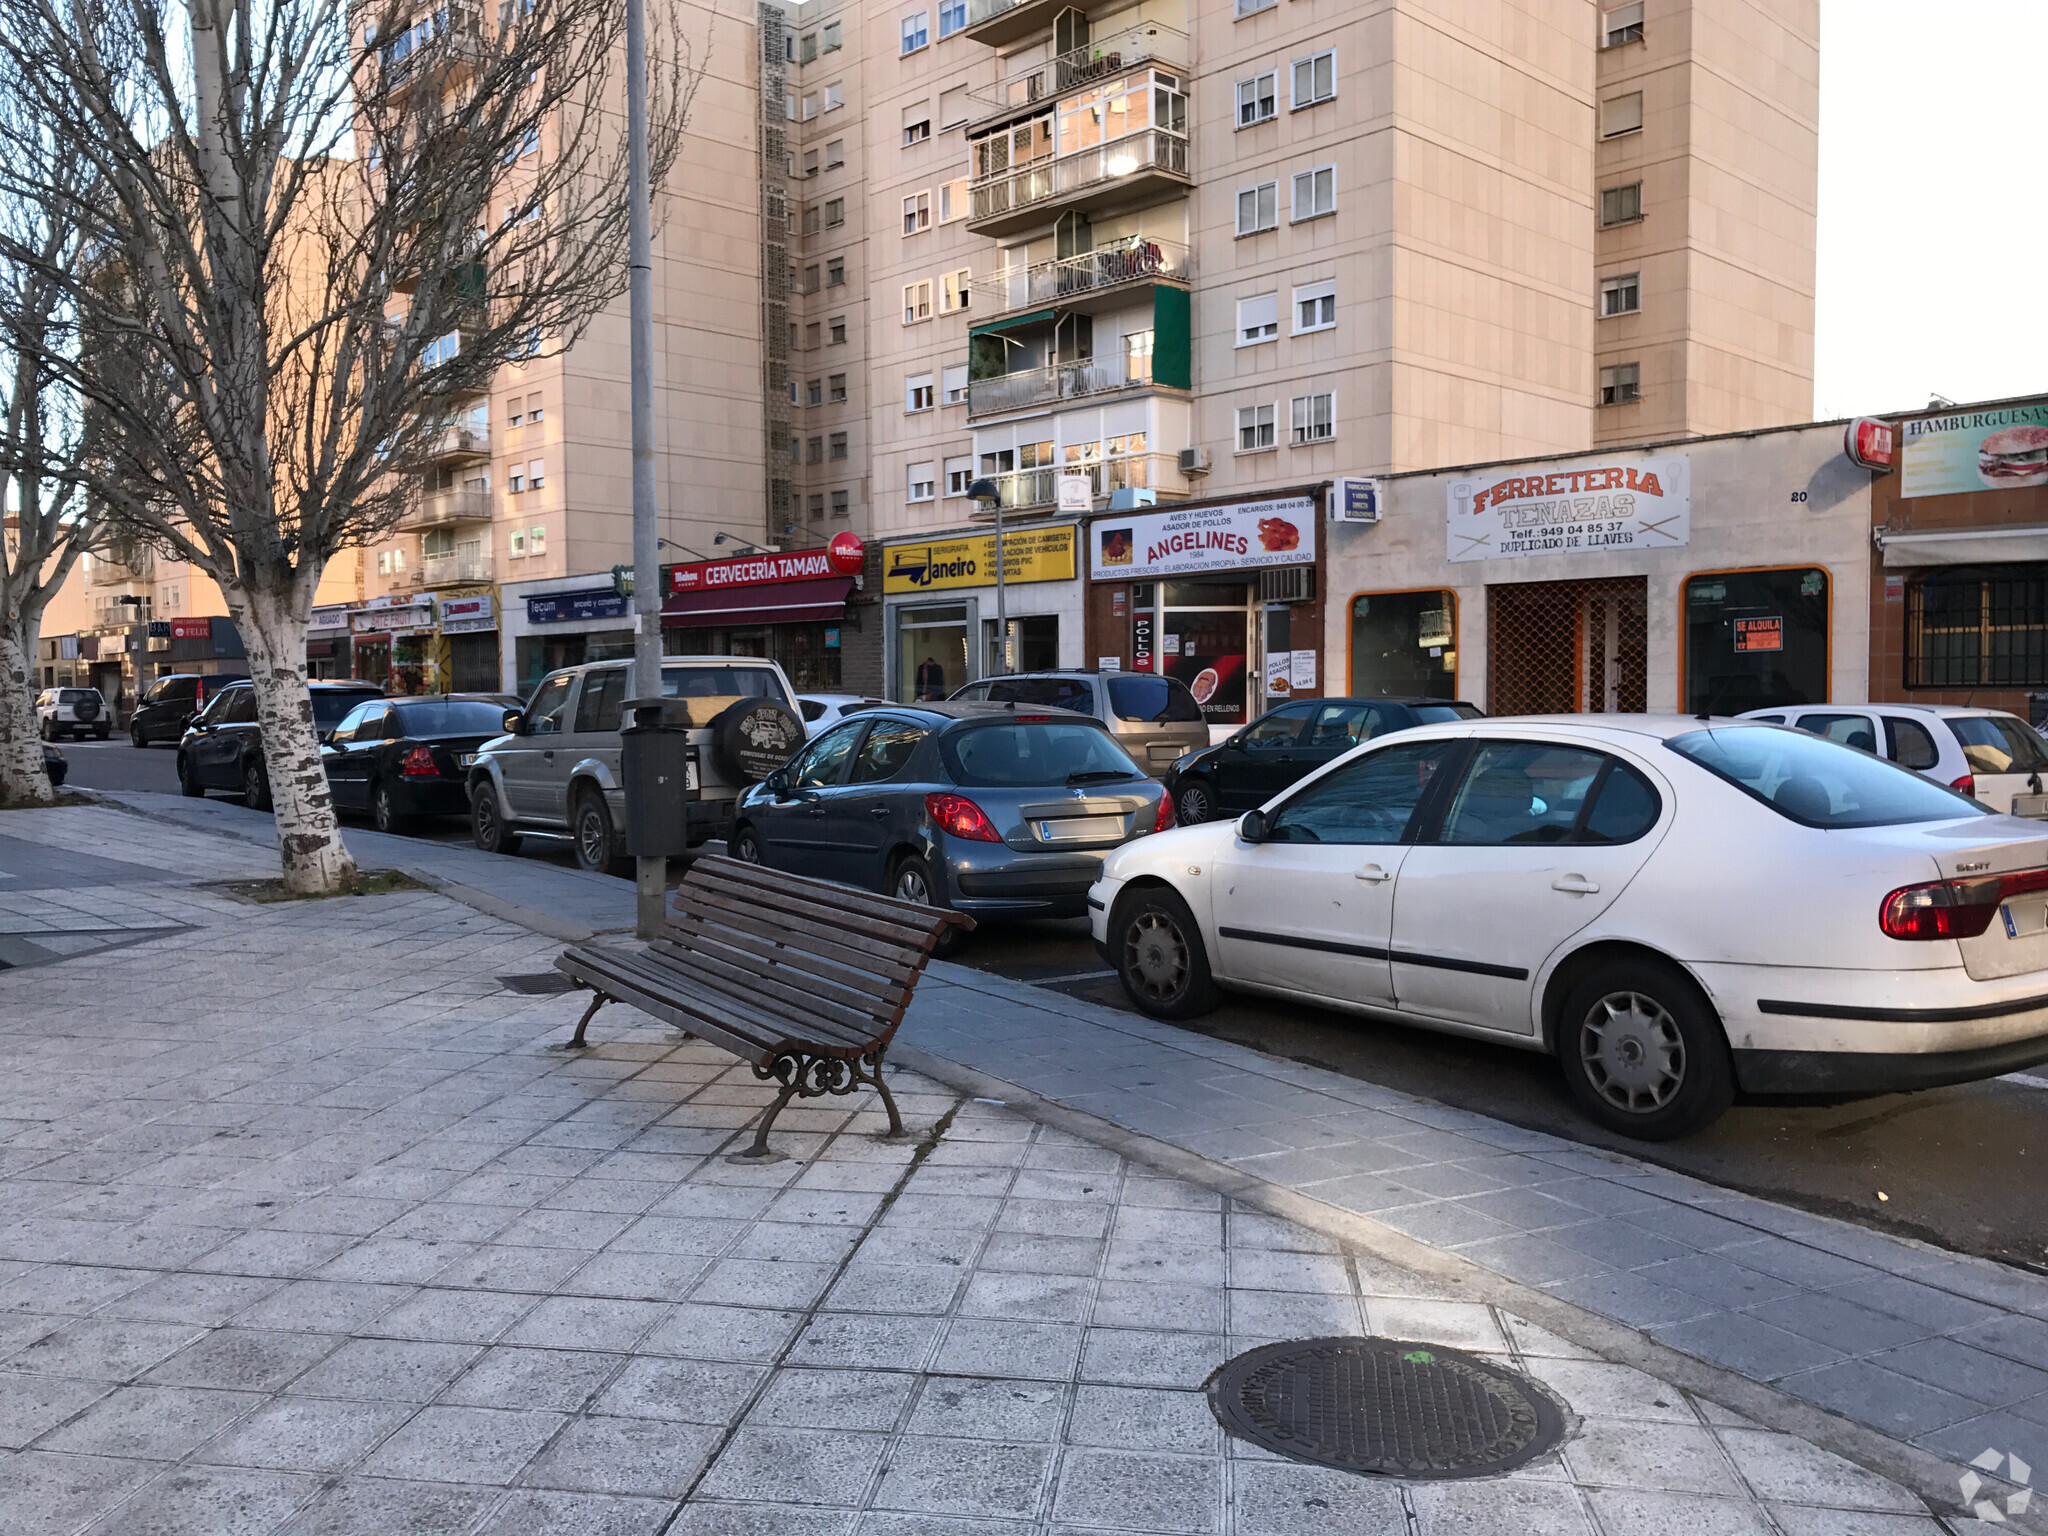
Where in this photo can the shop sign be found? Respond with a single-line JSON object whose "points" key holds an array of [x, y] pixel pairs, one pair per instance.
{"points": [[159, 629], [1760, 634], [575, 607], [2003, 450], [191, 629], [1622, 505], [1029, 554], [462, 615], [326, 619], [113, 645], [751, 571], [1076, 493], [381, 620], [1242, 536]]}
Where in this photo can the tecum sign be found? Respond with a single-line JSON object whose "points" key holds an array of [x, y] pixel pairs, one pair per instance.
{"points": [[2000, 450], [763, 570], [1242, 536], [1622, 505]]}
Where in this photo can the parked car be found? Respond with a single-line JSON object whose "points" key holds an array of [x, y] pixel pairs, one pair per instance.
{"points": [[62, 712], [168, 704], [1674, 908], [403, 758], [54, 764], [556, 770], [1288, 744], [1155, 718], [974, 806], [223, 746], [822, 711], [1988, 754]]}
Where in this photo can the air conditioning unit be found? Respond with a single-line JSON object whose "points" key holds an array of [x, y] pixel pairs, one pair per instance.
{"points": [[1194, 461], [1130, 498]]}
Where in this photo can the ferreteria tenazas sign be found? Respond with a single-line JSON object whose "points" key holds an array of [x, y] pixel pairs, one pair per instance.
{"points": [[1601, 508]]}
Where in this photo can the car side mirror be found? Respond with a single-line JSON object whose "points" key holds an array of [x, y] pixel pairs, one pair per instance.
{"points": [[515, 719], [1253, 827], [1235, 743], [327, 738], [777, 783]]}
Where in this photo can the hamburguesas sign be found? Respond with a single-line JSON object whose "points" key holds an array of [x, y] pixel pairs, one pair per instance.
{"points": [[1629, 504]]}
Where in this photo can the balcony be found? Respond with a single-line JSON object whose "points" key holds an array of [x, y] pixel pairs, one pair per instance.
{"points": [[440, 509], [456, 442], [460, 569], [1073, 281], [1126, 172], [1083, 66], [997, 22], [438, 50], [1029, 489], [1033, 387]]}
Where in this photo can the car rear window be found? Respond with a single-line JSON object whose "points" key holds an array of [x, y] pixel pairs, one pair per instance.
{"points": [[1032, 752], [1999, 744], [75, 695], [1052, 692], [1439, 714], [719, 683], [330, 706], [451, 717], [1156, 700], [1819, 783]]}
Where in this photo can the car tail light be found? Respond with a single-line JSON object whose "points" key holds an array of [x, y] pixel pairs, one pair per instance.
{"points": [[962, 817], [1966, 785], [1953, 909], [1165, 817], [1034, 719], [419, 764]]}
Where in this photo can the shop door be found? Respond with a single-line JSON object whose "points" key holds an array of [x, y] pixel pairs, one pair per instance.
{"points": [[1568, 647], [373, 660], [1205, 627]]}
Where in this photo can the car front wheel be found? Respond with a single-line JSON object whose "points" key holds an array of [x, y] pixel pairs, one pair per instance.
{"points": [[1644, 1053], [189, 782], [1157, 949], [255, 786], [1194, 802], [135, 736], [745, 846], [486, 826]]}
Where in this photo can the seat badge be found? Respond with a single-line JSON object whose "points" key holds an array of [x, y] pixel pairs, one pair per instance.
{"points": [[2012, 930]]}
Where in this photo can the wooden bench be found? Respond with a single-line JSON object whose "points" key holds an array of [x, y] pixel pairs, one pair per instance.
{"points": [[804, 980]]}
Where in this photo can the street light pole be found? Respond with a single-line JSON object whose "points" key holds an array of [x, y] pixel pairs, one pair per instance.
{"points": [[990, 496], [651, 874]]}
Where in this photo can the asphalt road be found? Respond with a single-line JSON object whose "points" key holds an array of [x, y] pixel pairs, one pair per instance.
{"points": [[1959, 1167]]}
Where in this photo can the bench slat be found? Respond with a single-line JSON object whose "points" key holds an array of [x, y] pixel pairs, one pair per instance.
{"points": [[764, 1016], [769, 958], [777, 932], [774, 994], [804, 897], [822, 893], [765, 1034], [883, 941]]}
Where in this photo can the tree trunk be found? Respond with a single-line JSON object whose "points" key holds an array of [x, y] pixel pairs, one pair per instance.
{"points": [[23, 780], [316, 861]]}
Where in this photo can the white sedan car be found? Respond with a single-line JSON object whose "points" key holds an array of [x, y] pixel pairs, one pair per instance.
{"points": [[1675, 908]]}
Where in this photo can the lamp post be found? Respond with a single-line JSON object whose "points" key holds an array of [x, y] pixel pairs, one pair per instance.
{"points": [[990, 496], [650, 874]]}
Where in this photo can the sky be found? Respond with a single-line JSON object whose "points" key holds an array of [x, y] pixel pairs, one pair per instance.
{"points": [[1933, 248]]}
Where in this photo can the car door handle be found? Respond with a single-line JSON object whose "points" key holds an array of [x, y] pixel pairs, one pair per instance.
{"points": [[879, 812], [549, 756], [1578, 885], [1373, 873]]}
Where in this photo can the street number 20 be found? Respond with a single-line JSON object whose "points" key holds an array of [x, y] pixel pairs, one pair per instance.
{"points": [[1798, 497]]}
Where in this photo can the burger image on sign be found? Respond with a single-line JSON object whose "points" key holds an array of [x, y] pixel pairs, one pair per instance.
{"points": [[2014, 458]]}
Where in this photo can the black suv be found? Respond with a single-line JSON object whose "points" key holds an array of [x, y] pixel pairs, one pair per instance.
{"points": [[223, 747], [171, 702]]}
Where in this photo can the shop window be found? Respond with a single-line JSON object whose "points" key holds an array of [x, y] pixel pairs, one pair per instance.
{"points": [[1404, 644], [931, 651], [1034, 645], [1756, 638], [1978, 628]]}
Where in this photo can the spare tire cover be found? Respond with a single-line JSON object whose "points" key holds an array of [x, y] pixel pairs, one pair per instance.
{"points": [[86, 709], [753, 738]]}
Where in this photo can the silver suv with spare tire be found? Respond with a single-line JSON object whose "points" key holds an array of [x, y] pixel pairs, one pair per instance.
{"points": [[556, 773]]}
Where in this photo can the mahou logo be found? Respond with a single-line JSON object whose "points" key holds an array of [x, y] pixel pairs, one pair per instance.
{"points": [[1991, 1511]]}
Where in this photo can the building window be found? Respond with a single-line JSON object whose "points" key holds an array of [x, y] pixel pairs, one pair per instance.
{"points": [[1258, 319], [917, 132], [1404, 644], [807, 48], [811, 337], [1733, 662], [810, 109], [835, 95], [816, 449], [917, 213], [1621, 384], [952, 16], [835, 272], [835, 154], [789, 106], [917, 392], [835, 212], [814, 392], [953, 384], [796, 450], [1138, 356], [1621, 205], [956, 290], [835, 388], [917, 302], [810, 163], [838, 445], [515, 546], [916, 31], [810, 219], [1257, 98], [1621, 114], [959, 476], [1246, 8], [1315, 193], [1315, 418], [817, 507], [1254, 428], [953, 200], [536, 541], [837, 330], [953, 108], [832, 37], [1315, 79], [1258, 208], [839, 503], [1315, 308], [810, 279], [1623, 24], [515, 480], [923, 479], [1621, 294]]}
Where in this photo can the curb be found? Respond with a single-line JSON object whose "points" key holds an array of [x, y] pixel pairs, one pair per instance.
{"points": [[506, 911]]}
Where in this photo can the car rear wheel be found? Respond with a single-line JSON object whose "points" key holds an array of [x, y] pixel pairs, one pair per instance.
{"points": [[188, 778], [1644, 1053], [49, 729], [255, 786], [596, 847], [913, 880], [1194, 802], [384, 812], [1157, 948], [486, 826], [102, 732], [745, 845]]}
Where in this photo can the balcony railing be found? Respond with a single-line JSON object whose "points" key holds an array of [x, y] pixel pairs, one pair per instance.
{"points": [[457, 440], [1139, 259], [1153, 150], [1026, 488], [450, 39], [1078, 66], [440, 508], [451, 570], [1044, 386], [979, 11]]}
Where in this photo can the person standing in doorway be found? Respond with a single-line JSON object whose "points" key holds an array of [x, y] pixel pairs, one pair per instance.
{"points": [[931, 679]]}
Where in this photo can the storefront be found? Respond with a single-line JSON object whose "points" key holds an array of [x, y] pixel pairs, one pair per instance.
{"points": [[1225, 596], [467, 654], [939, 598], [1959, 592], [327, 643], [790, 607], [1717, 574], [391, 643], [561, 623]]}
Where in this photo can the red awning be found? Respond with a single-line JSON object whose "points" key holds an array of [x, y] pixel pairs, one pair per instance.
{"points": [[786, 602]]}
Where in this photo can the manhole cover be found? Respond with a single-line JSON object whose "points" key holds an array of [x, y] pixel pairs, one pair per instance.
{"points": [[1387, 1406], [539, 983]]}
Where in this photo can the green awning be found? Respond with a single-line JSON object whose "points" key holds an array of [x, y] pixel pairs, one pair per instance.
{"points": [[1036, 317]]}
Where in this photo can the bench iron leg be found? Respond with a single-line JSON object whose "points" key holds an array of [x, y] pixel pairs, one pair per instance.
{"points": [[597, 1001], [874, 1066], [760, 1152]]}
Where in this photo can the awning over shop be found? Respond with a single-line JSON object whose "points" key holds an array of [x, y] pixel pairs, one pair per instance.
{"points": [[1036, 317], [1973, 546], [786, 602]]}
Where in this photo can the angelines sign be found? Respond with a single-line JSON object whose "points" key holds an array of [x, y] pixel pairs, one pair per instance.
{"points": [[751, 571], [1622, 505]]}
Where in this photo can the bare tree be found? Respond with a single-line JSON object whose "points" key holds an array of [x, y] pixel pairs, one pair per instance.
{"points": [[324, 228]]}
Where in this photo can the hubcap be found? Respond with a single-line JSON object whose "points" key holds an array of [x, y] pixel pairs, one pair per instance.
{"points": [[1156, 955], [910, 886], [591, 828], [486, 820], [750, 851], [1633, 1053], [1194, 805]]}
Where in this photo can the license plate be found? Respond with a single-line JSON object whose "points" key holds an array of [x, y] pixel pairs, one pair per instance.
{"points": [[2035, 806], [1165, 753], [690, 774], [1081, 829], [465, 759], [2025, 919]]}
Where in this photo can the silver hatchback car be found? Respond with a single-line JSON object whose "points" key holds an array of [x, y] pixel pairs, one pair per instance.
{"points": [[1153, 718]]}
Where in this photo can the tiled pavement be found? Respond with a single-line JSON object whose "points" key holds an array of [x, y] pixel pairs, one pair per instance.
{"points": [[306, 1229]]}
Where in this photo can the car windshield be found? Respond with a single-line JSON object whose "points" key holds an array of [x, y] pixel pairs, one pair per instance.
{"points": [[1159, 700], [1820, 783], [1999, 744], [330, 705], [451, 717], [1034, 752], [1438, 714]]}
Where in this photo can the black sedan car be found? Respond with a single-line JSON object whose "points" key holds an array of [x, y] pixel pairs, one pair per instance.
{"points": [[54, 765], [223, 746], [1288, 744], [980, 807], [407, 757]]}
